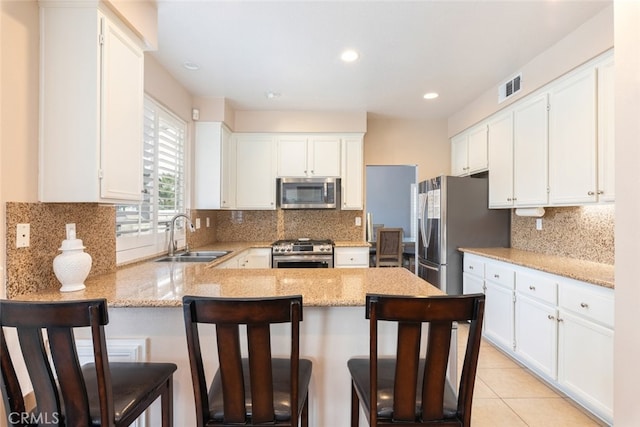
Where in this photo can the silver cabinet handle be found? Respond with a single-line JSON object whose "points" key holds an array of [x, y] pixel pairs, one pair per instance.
{"points": [[591, 193], [551, 317], [471, 267], [532, 288], [600, 191], [584, 305], [497, 276]]}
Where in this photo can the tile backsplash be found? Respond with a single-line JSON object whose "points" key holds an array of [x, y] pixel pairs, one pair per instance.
{"points": [[578, 232], [585, 233]]}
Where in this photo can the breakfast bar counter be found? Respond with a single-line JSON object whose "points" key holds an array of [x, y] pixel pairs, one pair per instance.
{"points": [[146, 320]]}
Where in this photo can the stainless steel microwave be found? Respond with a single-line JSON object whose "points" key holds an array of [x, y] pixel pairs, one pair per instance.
{"points": [[308, 193]]}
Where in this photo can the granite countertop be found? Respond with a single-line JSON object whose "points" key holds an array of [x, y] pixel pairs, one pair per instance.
{"points": [[163, 284], [586, 271]]}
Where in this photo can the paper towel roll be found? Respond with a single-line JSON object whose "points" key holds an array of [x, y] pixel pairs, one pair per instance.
{"points": [[537, 212]]}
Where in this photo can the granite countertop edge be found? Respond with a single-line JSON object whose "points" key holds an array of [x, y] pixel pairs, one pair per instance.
{"points": [[599, 274]]}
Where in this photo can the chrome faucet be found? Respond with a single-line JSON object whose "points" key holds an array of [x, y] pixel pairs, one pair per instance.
{"points": [[173, 245]]}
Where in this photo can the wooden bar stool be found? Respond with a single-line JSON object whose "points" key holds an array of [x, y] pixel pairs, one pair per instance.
{"points": [[410, 389], [67, 394], [254, 390]]}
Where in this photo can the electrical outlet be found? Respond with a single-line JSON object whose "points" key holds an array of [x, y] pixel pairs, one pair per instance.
{"points": [[197, 223], [358, 221], [23, 235], [208, 222], [538, 223]]}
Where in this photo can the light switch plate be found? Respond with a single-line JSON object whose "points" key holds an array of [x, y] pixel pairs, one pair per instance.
{"points": [[23, 234]]}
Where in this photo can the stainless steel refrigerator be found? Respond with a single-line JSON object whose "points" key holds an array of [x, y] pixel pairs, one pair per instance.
{"points": [[454, 213]]}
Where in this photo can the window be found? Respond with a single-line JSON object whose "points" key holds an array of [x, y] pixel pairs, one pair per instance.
{"points": [[141, 229]]}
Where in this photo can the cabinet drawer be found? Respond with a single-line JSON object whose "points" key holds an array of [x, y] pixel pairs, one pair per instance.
{"points": [[473, 266], [351, 257], [537, 287], [590, 301], [499, 274]]}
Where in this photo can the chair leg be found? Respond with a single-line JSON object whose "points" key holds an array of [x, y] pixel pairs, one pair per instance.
{"points": [[166, 401], [355, 407], [305, 412]]}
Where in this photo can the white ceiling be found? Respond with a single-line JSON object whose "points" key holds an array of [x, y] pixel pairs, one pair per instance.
{"points": [[459, 49]]}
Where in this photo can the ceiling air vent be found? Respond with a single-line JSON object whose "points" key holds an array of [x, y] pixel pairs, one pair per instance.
{"points": [[509, 88]]}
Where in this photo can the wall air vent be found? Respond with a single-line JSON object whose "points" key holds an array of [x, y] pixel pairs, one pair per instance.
{"points": [[509, 88]]}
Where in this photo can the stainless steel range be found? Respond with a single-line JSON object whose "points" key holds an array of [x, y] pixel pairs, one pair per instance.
{"points": [[302, 253]]}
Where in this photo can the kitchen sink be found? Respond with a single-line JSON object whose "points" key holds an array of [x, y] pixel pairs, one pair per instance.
{"points": [[193, 256]]}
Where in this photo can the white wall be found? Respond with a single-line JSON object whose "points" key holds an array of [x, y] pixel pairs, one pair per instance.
{"points": [[627, 235]]}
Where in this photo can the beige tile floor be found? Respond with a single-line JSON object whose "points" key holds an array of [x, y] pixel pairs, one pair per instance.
{"points": [[506, 394]]}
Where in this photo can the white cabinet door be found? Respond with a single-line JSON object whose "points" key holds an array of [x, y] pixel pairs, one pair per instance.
{"points": [[499, 315], [91, 107], [585, 362], [122, 106], [292, 155], [308, 156], [459, 155], [228, 172], [572, 140], [606, 135], [324, 156], [207, 165], [352, 181], [530, 152], [255, 258], [351, 257], [500, 148], [477, 150], [472, 284], [536, 335], [255, 172]]}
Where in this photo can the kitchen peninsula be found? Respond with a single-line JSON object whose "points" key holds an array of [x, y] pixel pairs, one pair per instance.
{"points": [[145, 305]]}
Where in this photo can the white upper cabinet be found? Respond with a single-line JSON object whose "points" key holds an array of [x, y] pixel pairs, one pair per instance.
{"points": [[255, 171], [91, 109], [530, 126], [469, 151], [572, 139], [211, 150], [500, 154], [352, 173], [606, 141], [308, 156]]}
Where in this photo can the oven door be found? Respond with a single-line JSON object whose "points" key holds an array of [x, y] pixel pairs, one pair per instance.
{"points": [[302, 261]]}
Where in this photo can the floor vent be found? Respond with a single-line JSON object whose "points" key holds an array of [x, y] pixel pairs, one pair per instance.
{"points": [[510, 88]]}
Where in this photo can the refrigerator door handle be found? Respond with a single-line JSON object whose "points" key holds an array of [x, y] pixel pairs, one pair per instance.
{"points": [[423, 215]]}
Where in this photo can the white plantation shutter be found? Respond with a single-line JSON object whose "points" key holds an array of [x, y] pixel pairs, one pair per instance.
{"points": [[141, 228]]}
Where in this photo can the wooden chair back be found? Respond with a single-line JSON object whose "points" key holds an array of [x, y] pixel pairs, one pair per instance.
{"points": [[256, 405], [440, 312], [389, 247], [58, 384]]}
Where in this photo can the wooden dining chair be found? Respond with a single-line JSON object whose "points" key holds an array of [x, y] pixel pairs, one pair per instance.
{"points": [[389, 247], [67, 394], [413, 389], [256, 388]]}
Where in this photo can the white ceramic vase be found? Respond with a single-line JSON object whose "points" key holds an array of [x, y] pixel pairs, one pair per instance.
{"points": [[72, 266]]}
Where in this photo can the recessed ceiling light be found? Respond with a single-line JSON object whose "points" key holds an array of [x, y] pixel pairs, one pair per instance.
{"points": [[272, 95], [430, 95], [191, 66], [349, 55]]}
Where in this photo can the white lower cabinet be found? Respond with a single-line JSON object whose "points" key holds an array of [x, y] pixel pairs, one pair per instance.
{"points": [[351, 257], [585, 345], [536, 330], [560, 328], [499, 307], [250, 258], [255, 258]]}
